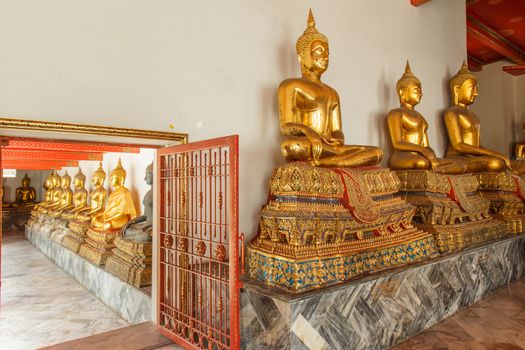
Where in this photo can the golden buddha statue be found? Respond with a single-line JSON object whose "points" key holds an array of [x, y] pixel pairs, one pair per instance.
{"points": [[463, 128], [25, 194], [79, 196], [66, 197], [119, 208], [408, 131], [54, 195], [310, 113], [97, 196]]}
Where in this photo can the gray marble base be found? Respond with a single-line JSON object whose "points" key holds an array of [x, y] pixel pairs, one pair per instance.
{"points": [[130, 303], [380, 310]]}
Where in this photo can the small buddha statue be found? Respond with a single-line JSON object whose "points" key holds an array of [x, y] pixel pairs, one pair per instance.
{"points": [[54, 195], [97, 197], [463, 128], [139, 229], [79, 196], [66, 197], [25, 194], [310, 113], [408, 131], [119, 208]]}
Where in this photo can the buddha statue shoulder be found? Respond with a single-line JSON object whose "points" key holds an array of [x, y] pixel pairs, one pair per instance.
{"points": [[79, 196], [310, 112], [463, 129], [119, 207], [97, 197], [139, 229], [66, 196], [408, 132], [25, 194]]}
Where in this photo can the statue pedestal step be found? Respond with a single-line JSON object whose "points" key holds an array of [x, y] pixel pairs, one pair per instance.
{"points": [[131, 262], [451, 208], [59, 230], [379, 310], [506, 194], [98, 246], [76, 235]]}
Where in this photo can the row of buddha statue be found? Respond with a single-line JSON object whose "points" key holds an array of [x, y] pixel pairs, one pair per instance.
{"points": [[333, 214], [102, 229]]}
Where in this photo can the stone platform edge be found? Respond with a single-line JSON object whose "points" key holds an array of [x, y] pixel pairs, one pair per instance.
{"points": [[130, 303], [379, 310]]}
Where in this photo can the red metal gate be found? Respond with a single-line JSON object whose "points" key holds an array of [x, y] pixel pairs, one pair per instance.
{"points": [[199, 244]]}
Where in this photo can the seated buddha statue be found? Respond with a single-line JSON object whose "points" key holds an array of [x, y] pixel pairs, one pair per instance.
{"points": [[139, 229], [25, 194], [55, 193], [66, 197], [463, 128], [408, 131], [79, 196], [119, 207], [310, 112], [97, 197]]}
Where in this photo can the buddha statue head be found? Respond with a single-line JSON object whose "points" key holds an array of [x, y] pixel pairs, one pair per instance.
{"points": [[463, 87], [118, 175], [65, 183], [99, 176], [55, 180], [409, 88], [79, 180], [26, 181], [149, 174], [312, 50]]}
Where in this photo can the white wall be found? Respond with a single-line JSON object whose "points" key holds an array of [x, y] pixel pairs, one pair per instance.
{"points": [[12, 183], [135, 165], [495, 107]]}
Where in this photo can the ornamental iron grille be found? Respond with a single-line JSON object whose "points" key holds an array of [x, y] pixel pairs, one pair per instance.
{"points": [[199, 270]]}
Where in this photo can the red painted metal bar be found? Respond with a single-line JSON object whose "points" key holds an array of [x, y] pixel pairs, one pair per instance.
{"points": [[474, 64], [419, 2], [15, 154], [199, 269], [482, 32], [21, 144], [37, 164]]}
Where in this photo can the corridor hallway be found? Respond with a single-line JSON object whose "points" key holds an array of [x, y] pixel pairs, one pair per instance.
{"points": [[41, 305]]}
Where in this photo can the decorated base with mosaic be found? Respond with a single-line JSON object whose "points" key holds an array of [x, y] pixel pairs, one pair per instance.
{"points": [[131, 262], [451, 208], [98, 246], [506, 194], [324, 225], [77, 233]]}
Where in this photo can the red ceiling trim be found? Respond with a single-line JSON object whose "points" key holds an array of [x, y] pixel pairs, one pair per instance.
{"points": [[489, 37], [474, 64], [16, 154], [419, 2], [515, 70], [21, 144], [37, 164]]}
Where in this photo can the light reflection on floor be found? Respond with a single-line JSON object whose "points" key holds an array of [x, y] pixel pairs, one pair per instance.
{"points": [[41, 305]]}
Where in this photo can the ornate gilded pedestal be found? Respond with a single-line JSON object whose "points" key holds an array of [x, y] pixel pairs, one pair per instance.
{"points": [[323, 226], [131, 262], [506, 194], [98, 245], [450, 207], [77, 232]]}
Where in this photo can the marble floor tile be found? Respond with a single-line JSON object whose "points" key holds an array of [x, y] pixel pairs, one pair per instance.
{"points": [[495, 323], [42, 305]]}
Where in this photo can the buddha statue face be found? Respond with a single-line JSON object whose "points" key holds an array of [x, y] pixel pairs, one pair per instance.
{"points": [[149, 174], [466, 93], [66, 181], [26, 182], [116, 180], [99, 176], [312, 49], [78, 183], [411, 95]]}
